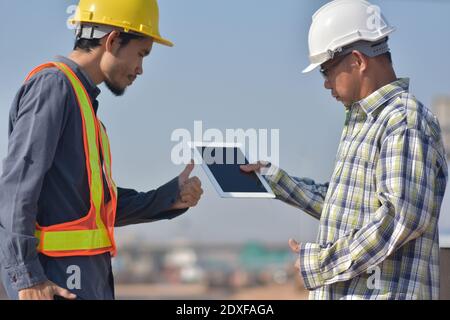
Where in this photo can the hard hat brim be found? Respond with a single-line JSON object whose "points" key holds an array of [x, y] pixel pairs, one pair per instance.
{"points": [[311, 67], [162, 41]]}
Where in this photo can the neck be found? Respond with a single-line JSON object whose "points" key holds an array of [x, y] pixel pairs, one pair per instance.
{"points": [[379, 79], [89, 63]]}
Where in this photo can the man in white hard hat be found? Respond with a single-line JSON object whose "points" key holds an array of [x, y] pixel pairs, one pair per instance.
{"points": [[378, 233]]}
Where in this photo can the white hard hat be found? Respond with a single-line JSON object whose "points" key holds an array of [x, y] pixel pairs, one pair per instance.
{"points": [[341, 23]]}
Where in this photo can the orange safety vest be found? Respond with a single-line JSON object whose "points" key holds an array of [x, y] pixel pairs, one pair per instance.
{"points": [[93, 234]]}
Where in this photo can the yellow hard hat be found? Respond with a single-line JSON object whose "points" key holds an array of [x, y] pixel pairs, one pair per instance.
{"points": [[141, 16]]}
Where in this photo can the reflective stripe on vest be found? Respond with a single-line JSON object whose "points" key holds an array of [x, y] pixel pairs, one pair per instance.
{"points": [[94, 233]]}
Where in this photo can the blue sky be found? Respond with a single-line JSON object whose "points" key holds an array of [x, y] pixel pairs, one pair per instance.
{"points": [[235, 64]]}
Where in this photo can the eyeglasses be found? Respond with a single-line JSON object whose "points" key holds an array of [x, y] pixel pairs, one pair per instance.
{"points": [[326, 71]]}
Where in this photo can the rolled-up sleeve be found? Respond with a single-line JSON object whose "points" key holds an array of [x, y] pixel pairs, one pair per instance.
{"points": [[37, 120]]}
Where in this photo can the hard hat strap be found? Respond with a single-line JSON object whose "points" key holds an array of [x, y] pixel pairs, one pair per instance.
{"points": [[90, 31], [369, 49], [86, 31]]}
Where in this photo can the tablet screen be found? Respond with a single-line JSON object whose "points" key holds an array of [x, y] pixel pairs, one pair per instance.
{"points": [[224, 163]]}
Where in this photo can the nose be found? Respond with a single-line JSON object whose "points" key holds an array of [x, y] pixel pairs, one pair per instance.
{"points": [[326, 84], [140, 69]]}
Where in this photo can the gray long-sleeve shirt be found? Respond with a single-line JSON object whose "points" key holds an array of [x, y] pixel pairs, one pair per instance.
{"points": [[44, 180]]}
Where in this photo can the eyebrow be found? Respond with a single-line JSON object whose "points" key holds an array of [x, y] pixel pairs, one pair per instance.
{"points": [[146, 52]]}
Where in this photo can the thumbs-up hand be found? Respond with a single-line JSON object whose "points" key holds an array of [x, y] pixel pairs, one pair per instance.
{"points": [[190, 189]]}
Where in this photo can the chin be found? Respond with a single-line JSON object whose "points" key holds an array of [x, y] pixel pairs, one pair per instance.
{"points": [[115, 89]]}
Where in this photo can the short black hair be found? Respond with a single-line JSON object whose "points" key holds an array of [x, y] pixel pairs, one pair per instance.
{"points": [[89, 44], [389, 56]]}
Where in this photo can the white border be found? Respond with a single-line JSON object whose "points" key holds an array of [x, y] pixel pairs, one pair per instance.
{"points": [[199, 159]]}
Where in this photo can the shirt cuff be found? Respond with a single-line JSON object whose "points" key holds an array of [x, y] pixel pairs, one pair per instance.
{"points": [[26, 275], [310, 265], [273, 176], [169, 192], [272, 173]]}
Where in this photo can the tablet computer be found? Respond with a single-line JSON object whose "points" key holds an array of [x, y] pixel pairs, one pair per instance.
{"points": [[221, 163]]}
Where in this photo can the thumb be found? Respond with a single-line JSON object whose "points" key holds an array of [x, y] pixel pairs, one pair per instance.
{"points": [[64, 293], [295, 246], [187, 171]]}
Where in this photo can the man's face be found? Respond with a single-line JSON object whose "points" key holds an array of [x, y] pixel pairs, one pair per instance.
{"points": [[341, 79], [122, 66]]}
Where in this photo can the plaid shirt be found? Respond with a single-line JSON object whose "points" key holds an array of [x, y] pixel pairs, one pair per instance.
{"points": [[378, 233]]}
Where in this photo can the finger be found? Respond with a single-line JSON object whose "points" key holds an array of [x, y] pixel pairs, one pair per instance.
{"points": [[64, 293], [194, 187], [193, 202], [190, 200], [187, 199], [187, 171], [197, 181], [190, 192], [255, 166], [197, 198], [295, 246], [251, 167], [189, 204], [191, 186]]}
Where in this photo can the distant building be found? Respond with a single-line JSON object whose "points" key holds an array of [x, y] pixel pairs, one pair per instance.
{"points": [[441, 108]]}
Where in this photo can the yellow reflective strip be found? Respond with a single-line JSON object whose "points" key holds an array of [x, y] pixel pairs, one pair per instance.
{"points": [[106, 157], [96, 185], [75, 240], [105, 144], [37, 235]]}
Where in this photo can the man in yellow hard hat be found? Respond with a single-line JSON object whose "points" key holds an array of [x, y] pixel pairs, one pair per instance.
{"points": [[59, 203]]}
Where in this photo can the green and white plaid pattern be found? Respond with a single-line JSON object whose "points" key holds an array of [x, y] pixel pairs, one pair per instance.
{"points": [[378, 234]]}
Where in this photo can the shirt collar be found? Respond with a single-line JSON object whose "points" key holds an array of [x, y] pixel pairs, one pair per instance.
{"points": [[383, 95], [90, 86]]}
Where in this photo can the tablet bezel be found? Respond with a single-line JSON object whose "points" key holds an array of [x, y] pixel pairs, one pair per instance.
{"points": [[249, 195]]}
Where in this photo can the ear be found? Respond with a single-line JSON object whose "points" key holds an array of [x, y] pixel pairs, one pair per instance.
{"points": [[112, 42], [360, 60]]}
